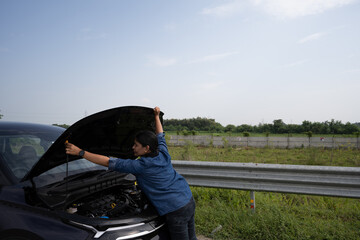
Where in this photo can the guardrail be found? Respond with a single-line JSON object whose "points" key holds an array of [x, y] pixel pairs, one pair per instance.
{"points": [[298, 179]]}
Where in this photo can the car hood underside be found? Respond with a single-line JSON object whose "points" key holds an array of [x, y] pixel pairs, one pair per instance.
{"points": [[109, 133]]}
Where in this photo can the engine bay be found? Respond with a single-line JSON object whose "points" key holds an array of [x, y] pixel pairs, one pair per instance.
{"points": [[99, 194], [111, 203]]}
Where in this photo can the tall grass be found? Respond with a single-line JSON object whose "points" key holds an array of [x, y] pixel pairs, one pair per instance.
{"points": [[226, 214], [277, 216]]}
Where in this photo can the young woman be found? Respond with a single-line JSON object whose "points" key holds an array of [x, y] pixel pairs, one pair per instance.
{"points": [[167, 190]]}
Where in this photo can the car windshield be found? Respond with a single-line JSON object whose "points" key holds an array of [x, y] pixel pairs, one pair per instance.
{"points": [[60, 172]]}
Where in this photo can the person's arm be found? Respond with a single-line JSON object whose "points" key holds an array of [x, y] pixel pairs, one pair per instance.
{"points": [[71, 149], [158, 126]]}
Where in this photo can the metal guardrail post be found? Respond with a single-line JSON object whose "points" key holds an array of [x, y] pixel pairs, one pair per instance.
{"points": [[252, 201]]}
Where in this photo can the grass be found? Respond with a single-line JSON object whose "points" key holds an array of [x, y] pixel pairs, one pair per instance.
{"points": [[302, 156], [226, 214], [277, 216], [240, 134]]}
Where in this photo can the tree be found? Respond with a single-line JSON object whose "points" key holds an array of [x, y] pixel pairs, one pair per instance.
{"points": [[193, 124], [244, 128], [350, 128], [279, 126], [1, 115], [230, 128], [306, 126], [263, 128], [294, 128], [336, 127]]}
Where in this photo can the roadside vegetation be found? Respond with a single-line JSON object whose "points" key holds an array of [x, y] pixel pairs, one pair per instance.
{"points": [[267, 134], [226, 214], [196, 125], [346, 157]]}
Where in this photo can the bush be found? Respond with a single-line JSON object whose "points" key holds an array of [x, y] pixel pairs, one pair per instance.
{"points": [[309, 134], [246, 134]]}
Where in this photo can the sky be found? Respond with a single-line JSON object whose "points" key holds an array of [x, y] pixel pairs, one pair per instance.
{"points": [[238, 62]]}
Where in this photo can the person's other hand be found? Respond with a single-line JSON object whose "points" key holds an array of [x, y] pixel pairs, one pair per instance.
{"points": [[71, 149], [157, 111]]}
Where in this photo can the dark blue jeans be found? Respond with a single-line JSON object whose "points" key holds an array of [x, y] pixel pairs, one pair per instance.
{"points": [[181, 223]]}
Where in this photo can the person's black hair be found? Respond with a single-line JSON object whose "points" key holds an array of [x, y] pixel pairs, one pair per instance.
{"points": [[148, 138]]}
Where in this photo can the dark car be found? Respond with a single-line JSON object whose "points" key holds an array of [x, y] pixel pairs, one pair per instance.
{"points": [[46, 194]]}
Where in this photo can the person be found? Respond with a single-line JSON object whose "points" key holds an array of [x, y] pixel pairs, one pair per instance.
{"points": [[167, 190]]}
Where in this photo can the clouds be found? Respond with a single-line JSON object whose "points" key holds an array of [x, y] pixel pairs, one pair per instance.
{"points": [[209, 86], [296, 8], [312, 37], [283, 9], [294, 64], [160, 61], [227, 9], [214, 57]]}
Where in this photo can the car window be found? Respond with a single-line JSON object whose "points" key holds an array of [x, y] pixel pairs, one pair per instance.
{"points": [[21, 152], [18, 143]]}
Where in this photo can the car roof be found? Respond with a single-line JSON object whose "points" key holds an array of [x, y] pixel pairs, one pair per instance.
{"points": [[18, 127]]}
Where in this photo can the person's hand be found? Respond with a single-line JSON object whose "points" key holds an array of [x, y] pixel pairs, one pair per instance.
{"points": [[158, 125], [157, 111], [71, 149]]}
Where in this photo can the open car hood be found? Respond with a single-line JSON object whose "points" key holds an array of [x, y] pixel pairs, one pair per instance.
{"points": [[110, 133]]}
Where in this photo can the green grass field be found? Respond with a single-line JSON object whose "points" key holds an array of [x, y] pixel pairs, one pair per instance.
{"points": [[227, 134], [226, 213], [346, 157]]}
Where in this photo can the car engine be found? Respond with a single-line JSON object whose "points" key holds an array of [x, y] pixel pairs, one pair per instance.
{"points": [[111, 203]]}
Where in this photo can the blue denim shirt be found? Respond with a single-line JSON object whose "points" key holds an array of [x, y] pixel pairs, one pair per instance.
{"points": [[164, 187]]}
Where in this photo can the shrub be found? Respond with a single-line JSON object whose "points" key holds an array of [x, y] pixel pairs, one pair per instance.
{"points": [[246, 134]]}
